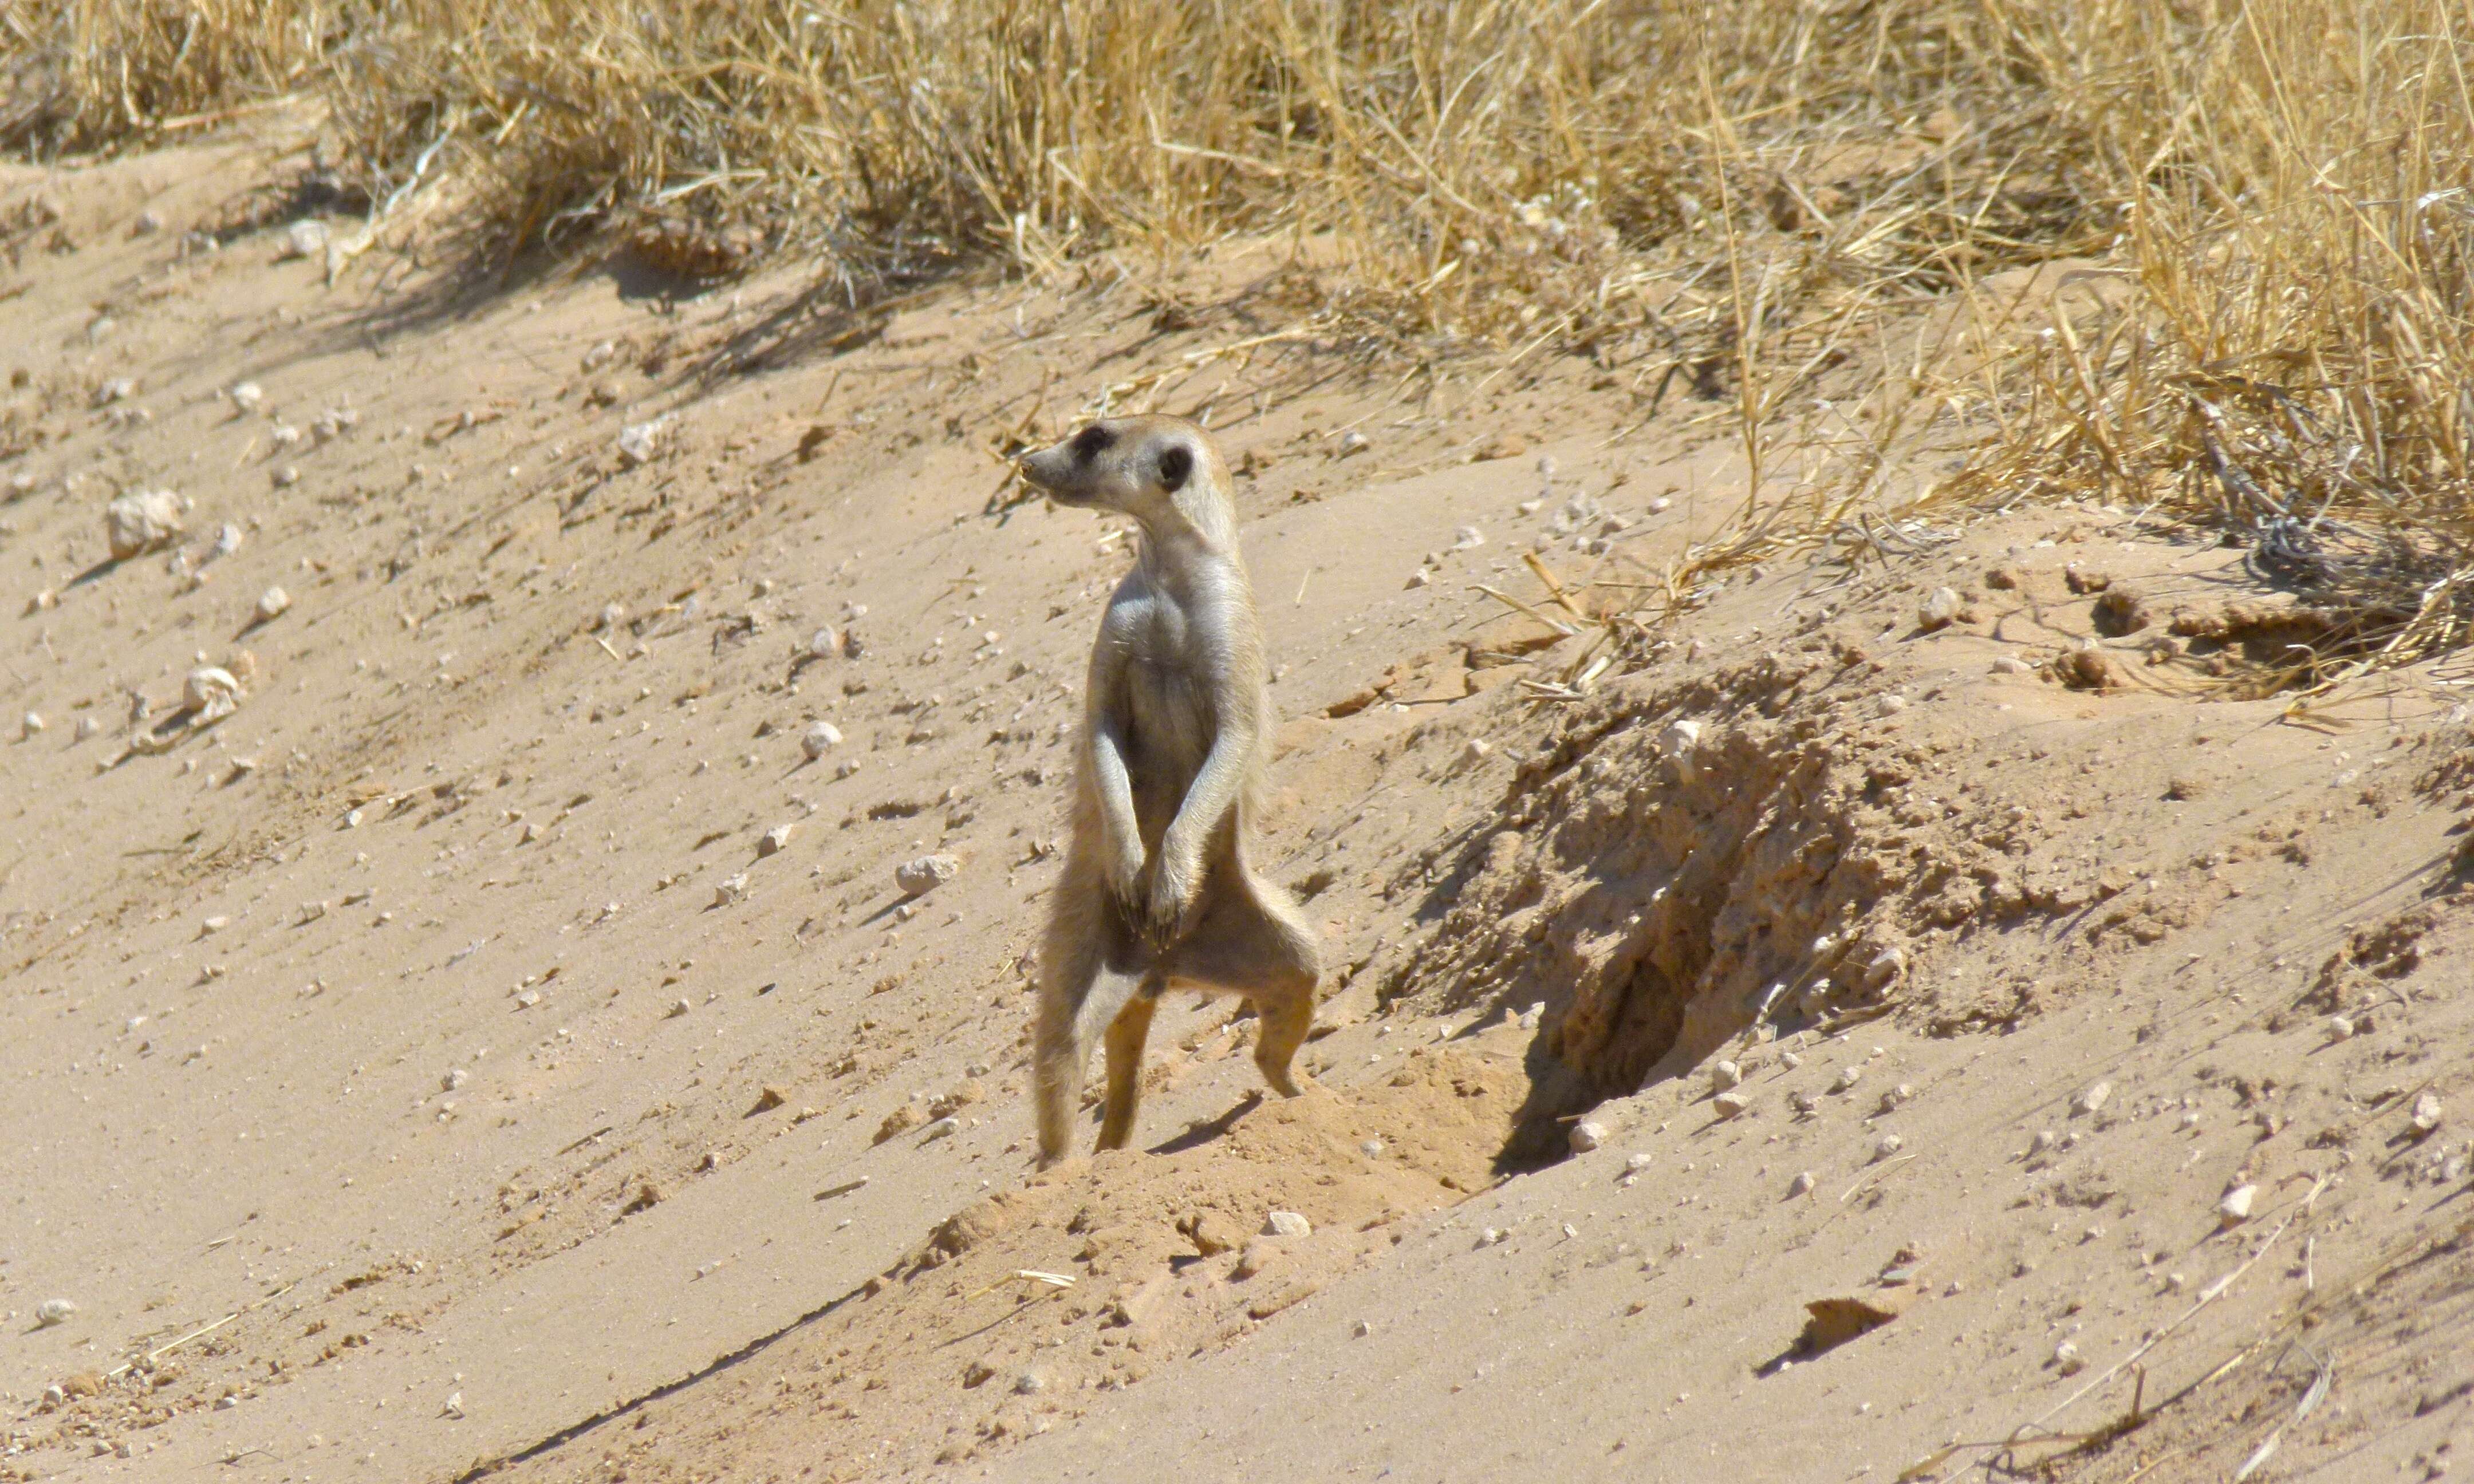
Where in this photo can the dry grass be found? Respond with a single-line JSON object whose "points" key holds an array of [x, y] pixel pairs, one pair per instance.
{"points": [[1752, 202]]}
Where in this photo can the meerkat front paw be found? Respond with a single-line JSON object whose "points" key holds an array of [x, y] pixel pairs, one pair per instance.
{"points": [[1172, 902], [1128, 885]]}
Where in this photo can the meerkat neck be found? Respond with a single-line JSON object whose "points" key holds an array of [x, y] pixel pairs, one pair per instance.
{"points": [[1192, 528]]}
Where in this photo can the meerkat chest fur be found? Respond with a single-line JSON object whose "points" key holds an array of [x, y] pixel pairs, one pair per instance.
{"points": [[1177, 675]]}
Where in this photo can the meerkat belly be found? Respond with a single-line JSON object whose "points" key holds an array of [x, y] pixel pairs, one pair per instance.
{"points": [[1170, 713]]}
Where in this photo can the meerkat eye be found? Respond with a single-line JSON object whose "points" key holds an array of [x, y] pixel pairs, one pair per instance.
{"points": [[1092, 441], [1174, 465]]}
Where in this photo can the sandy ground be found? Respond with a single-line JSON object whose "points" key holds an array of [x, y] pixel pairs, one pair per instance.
{"points": [[430, 1070]]}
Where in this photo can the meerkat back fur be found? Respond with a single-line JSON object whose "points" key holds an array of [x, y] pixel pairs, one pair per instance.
{"points": [[1159, 889]]}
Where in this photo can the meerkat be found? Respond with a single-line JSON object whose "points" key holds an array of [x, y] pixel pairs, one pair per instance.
{"points": [[1158, 890]]}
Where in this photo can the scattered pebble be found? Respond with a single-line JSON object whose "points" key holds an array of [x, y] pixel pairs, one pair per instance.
{"points": [[1588, 1135], [943, 1127], [679, 1006], [2067, 1358], [143, 521], [2235, 1208], [455, 1078], [1723, 1075], [1801, 1184], [1636, 1163], [2042, 1142], [1478, 750], [918, 878], [636, 443], [1371, 1148], [1361, 1329], [1468, 539], [1887, 1145], [819, 738], [271, 604], [1847, 1078], [53, 1311], [211, 693], [770, 843], [730, 889], [2340, 1027], [1287, 1223], [1801, 1102], [302, 239], [1729, 1105], [2091, 1100], [2012, 664], [1029, 1382], [454, 1407], [246, 398], [31, 723], [2427, 1115], [1938, 611]]}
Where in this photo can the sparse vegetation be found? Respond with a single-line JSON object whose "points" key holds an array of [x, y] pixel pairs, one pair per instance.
{"points": [[2263, 207]]}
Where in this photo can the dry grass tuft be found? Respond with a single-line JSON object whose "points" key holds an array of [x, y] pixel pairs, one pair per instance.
{"points": [[1756, 204]]}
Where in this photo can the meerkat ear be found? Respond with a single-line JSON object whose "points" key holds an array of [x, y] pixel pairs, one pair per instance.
{"points": [[1176, 464]]}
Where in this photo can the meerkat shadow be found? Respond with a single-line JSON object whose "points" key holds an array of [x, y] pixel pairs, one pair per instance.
{"points": [[1211, 1130]]}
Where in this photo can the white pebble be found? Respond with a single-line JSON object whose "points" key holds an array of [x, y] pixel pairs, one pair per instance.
{"points": [[247, 397], [1937, 610], [770, 843], [2067, 1358], [1468, 539], [31, 722], [918, 878], [2340, 1027], [943, 1127], [455, 1078], [2235, 1208], [2427, 1115], [53, 1311], [1729, 1105], [1287, 1223], [1588, 1135], [1723, 1075], [1371, 1148], [731, 889], [1887, 1145], [1847, 1078], [819, 738], [271, 604], [1801, 1184], [2091, 1100]]}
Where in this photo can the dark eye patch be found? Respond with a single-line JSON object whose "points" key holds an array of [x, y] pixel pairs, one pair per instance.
{"points": [[1174, 465], [1092, 441]]}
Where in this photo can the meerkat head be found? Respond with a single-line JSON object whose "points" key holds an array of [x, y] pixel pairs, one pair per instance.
{"points": [[1156, 469]]}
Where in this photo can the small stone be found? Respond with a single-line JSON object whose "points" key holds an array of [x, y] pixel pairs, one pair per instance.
{"points": [[1502, 445], [637, 443], [147, 224], [1846, 1079], [942, 1128], [454, 1407], [1028, 1383], [246, 398], [770, 843], [119, 388], [2235, 1208], [678, 1008], [2012, 664], [1801, 1102], [1588, 1135], [1896, 1095], [302, 239], [1419, 579], [31, 723], [1361, 1329], [1887, 1145], [211, 692], [284, 475], [1639, 1162], [2340, 1027], [1723, 1075], [2427, 1115], [141, 522], [819, 738], [731, 889], [1938, 611], [2091, 1100], [918, 878], [2067, 1358], [1478, 751], [1801, 1184], [1353, 441], [271, 604], [611, 616], [1679, 741], [2042, 1142], [1791, 1061], [455, 1078], [1660, 506], [824, 644], [1287, 1223], [283, 434], [1730, 1105], [53, 1311], [1371, 1148], [769, 1097], [1468, 539]]}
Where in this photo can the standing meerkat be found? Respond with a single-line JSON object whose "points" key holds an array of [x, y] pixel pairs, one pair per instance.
{"points": [[1157, 889]]}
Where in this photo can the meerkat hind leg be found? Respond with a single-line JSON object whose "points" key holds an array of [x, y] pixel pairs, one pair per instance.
{"points": [[1127, 1033], [1095, 978], [1249, 943]]}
